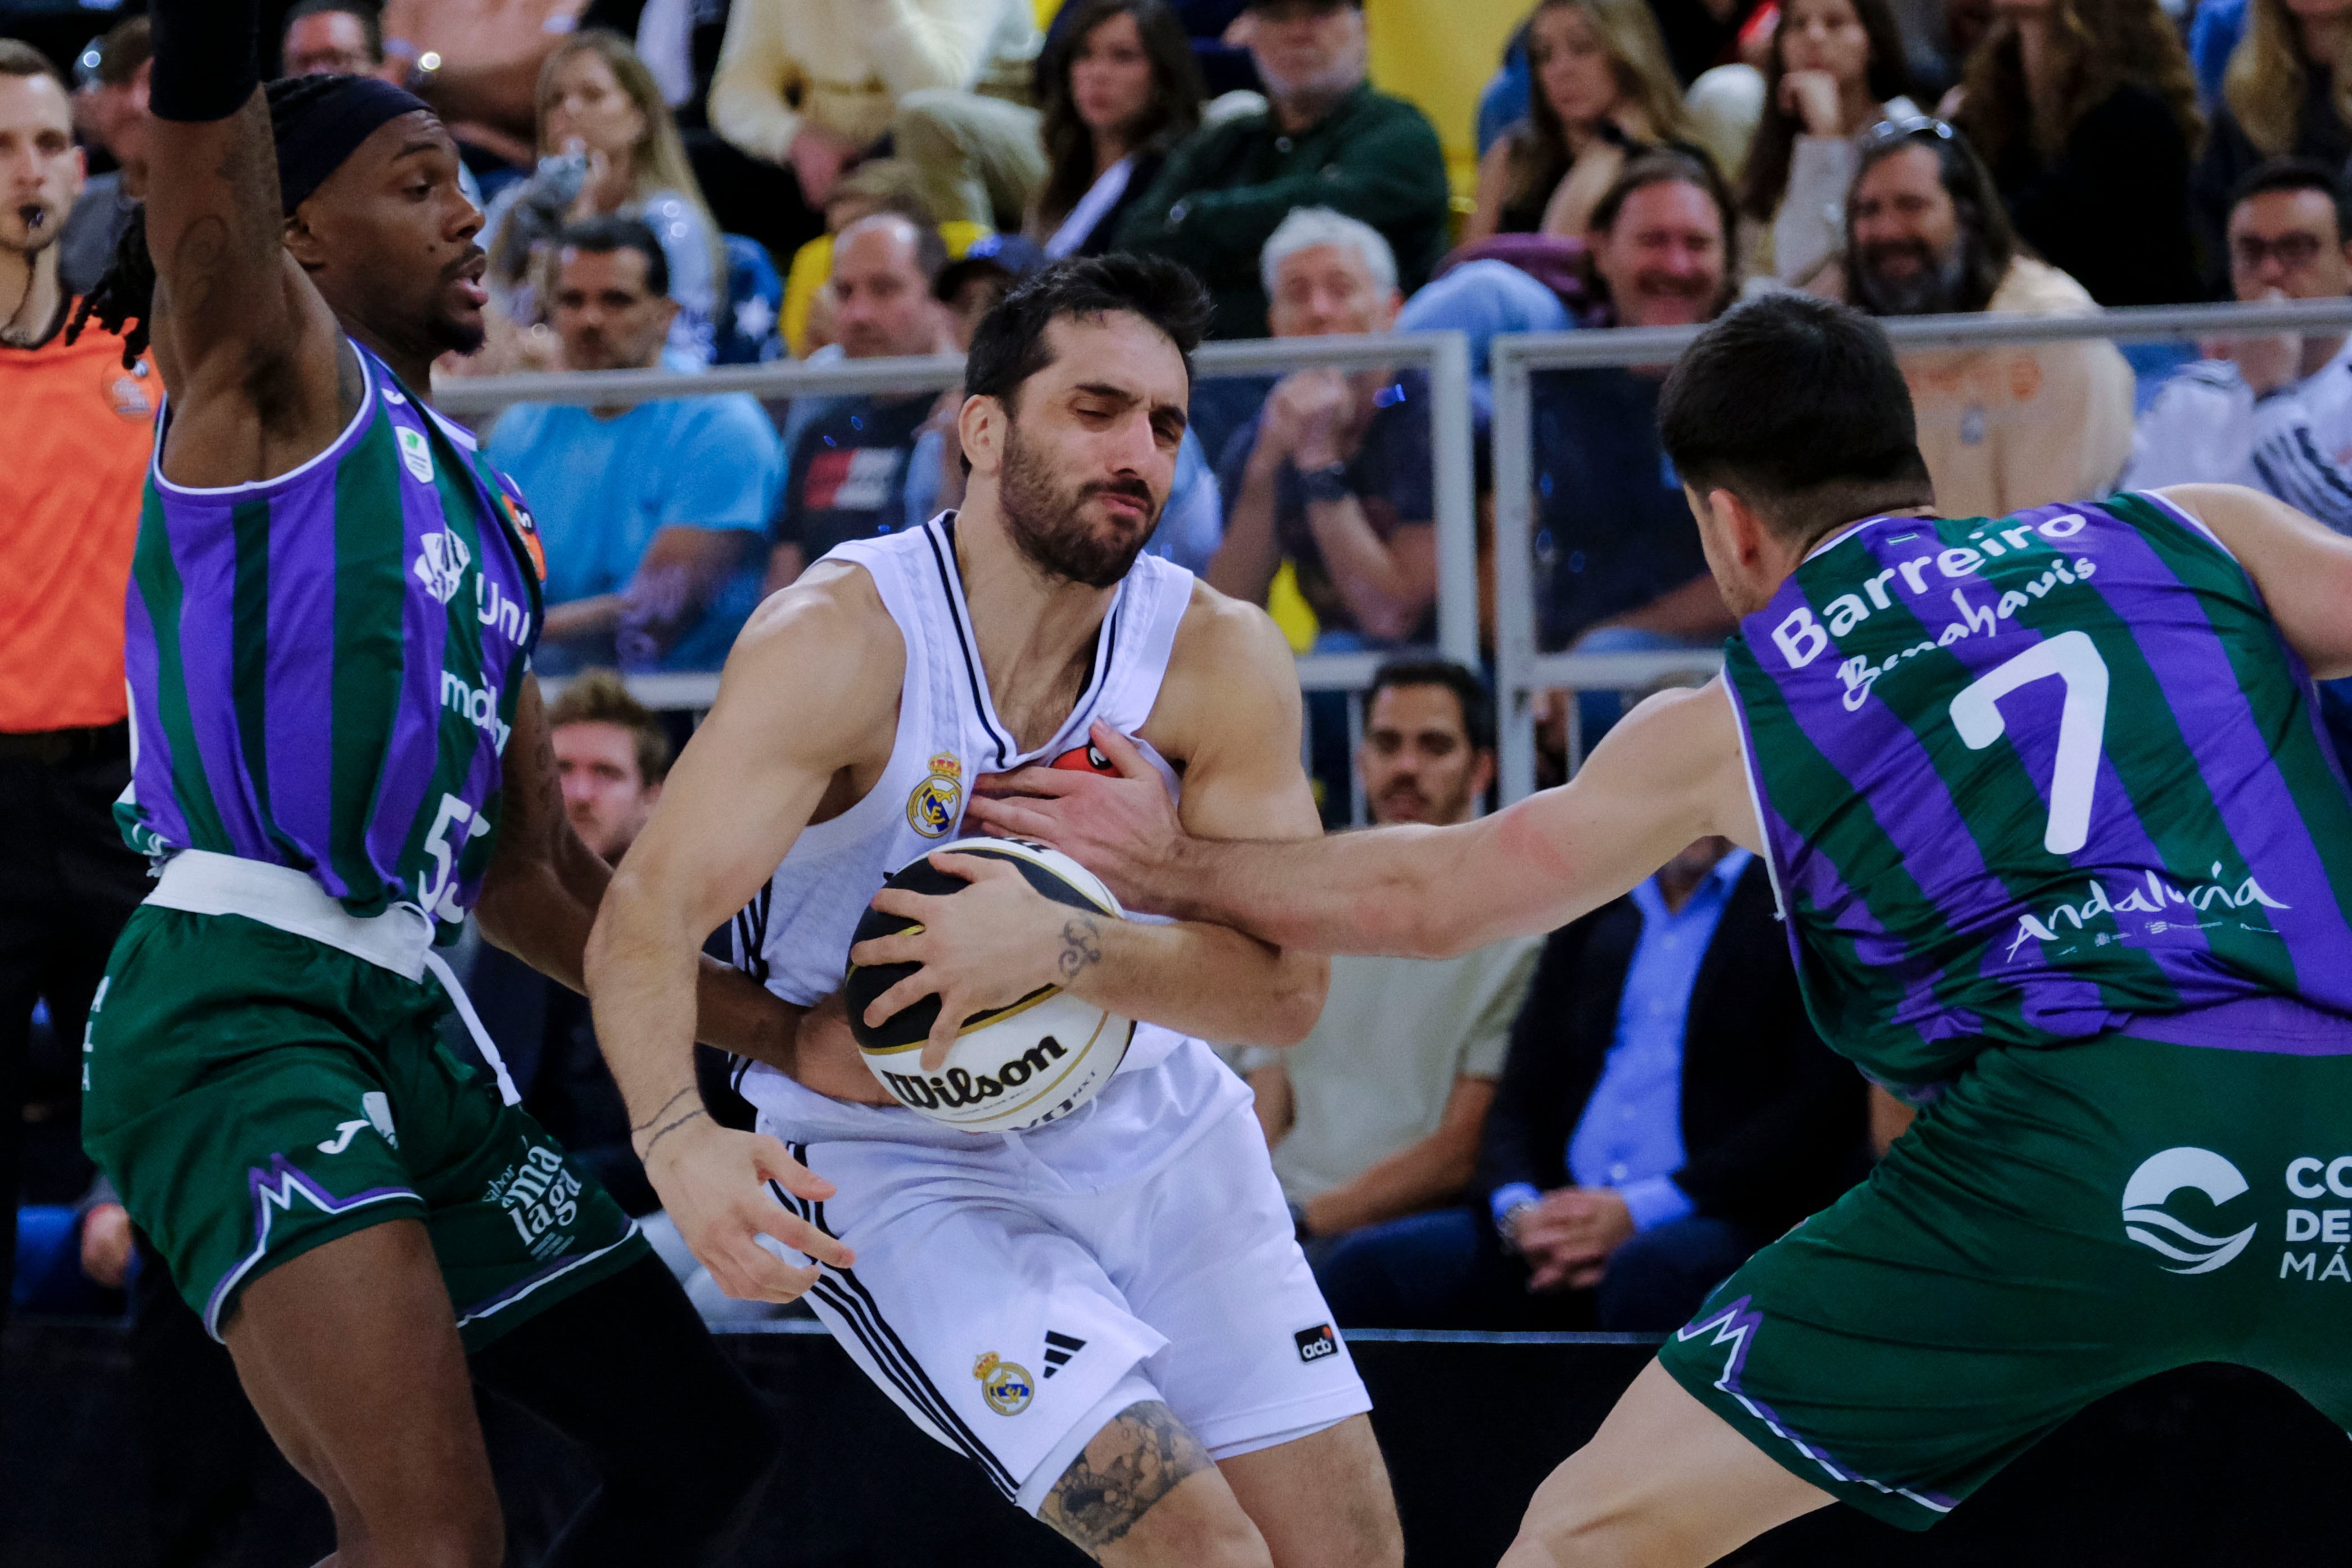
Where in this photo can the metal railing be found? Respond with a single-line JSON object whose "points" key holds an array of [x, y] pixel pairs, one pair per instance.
{"points": [[1522, 673], [1445, 356]]}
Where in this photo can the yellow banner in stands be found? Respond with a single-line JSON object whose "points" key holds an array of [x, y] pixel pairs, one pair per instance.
{"points": [[1441, 54]]}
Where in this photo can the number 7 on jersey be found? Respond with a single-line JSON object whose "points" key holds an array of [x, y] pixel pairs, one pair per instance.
{"points": [[2074, 660]]}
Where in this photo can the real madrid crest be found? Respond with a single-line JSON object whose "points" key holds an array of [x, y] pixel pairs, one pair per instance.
{"points": [[1005, 1386], [938, 801]]}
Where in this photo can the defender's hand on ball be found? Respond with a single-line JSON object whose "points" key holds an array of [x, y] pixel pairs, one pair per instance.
{"points": [[981, 948], [1120, 828], [712, 1180]]}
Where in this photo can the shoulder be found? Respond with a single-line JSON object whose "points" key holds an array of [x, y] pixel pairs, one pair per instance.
{"points": [[522, 427], [733, 417], [827, 642], [2037, 288], [1380, 110], [1230, 671]]}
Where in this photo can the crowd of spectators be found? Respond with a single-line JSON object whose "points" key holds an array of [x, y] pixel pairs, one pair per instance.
{"points": [[1581, 1131]]}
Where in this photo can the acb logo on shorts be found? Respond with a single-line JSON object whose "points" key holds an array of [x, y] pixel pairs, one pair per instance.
{"points": [[1317, 1342], [938, 801], [2159, 1177], [1006, 1386]]}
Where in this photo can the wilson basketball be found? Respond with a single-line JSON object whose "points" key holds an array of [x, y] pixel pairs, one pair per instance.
{"points": [[1015, 1067]]}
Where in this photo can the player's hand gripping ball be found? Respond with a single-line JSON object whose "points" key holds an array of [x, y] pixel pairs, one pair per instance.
{"points": [[1015, 1067]]}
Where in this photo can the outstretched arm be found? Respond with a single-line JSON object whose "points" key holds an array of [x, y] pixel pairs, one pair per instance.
{"points": [[246, 345], [813, 680], [2305, 570], [1669, 773], [1230, 710]]}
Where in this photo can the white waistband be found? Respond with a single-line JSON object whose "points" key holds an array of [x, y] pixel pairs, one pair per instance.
{"points": [[202, 883], [198, 881]]}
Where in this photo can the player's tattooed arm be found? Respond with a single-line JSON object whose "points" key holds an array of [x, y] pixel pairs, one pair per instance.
{"points": [[1142, 1457], [1081, 948]]}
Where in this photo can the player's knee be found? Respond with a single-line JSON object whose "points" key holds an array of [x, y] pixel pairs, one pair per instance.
{"points": [[1579, 1518], [465, 1533]]}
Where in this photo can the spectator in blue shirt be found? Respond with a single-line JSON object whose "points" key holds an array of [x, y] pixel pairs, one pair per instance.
{"points": [[1664, 1109], [653, 513]]}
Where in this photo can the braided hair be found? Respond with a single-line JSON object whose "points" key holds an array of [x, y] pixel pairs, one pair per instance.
{"points": [[125, 292]]}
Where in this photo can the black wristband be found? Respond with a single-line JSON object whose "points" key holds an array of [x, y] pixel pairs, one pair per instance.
{"points": [[206, 63]]}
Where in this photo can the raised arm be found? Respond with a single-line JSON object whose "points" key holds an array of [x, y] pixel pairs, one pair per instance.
{"points": [[1669, 773], [2303, 569], [813, 680], [1229, 711], [245, 342]]}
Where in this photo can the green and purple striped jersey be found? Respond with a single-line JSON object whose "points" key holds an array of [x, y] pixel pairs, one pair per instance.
{"points": [[324, 666], [2042, 777]]}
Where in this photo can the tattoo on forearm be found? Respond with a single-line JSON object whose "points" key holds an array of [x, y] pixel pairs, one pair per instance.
{"points": [[665, 1109], [667, 1131], [1081, 948], [1130, 1465]]}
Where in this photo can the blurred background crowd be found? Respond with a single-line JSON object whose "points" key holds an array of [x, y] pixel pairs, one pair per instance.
{"points": [[1586, 1130]]}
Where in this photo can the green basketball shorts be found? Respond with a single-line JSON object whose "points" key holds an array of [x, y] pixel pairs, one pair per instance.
{"points": [[254, 1094], [2062, 1223]]}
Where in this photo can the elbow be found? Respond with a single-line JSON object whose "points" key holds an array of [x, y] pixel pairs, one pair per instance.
{"points": [[1297, 1003]]}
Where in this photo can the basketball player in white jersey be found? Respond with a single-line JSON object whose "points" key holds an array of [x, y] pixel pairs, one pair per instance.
{"points": [[1108, 1315]]}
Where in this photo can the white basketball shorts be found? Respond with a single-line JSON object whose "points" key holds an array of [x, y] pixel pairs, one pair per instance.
{"points": [[1012, 1316]]}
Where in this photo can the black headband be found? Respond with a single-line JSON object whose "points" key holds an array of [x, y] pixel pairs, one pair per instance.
{"points": [[316, 132]]}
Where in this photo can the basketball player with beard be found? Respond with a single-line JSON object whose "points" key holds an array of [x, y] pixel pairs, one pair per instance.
{"points": [[1195, 1407], [339, 751]]}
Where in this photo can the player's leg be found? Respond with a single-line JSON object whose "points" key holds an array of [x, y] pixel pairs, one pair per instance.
{"points": [[1143, 1493], [1205, 1252], [1354, 1518], [681, 1444], [1664, 1481], [351, 1355]]}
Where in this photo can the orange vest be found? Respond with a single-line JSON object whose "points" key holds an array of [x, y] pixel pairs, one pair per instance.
{"points": [[80, 430]]}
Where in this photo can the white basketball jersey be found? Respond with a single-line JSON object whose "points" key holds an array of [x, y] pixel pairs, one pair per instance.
{"points": [[794, 937]]}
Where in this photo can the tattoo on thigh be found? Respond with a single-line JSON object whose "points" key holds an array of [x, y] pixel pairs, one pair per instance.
{"points": [[1130, 1465]]}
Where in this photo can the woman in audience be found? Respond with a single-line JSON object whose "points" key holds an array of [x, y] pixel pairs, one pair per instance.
{"points": [[1602, 87], [1836, 69], [2287, 93], [608, 145], [2086, 110], [1121, 87]]}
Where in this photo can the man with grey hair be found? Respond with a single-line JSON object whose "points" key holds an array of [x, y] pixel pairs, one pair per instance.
{"points": [[1334, 476], [1325, 138]]}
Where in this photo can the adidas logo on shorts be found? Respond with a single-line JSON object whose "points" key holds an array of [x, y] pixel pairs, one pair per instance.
{"points": [[1059, 1348]]}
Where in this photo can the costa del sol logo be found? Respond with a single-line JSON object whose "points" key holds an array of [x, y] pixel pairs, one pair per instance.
{"points": [[938, 801], [2147, 1222], [1004, 1384]]}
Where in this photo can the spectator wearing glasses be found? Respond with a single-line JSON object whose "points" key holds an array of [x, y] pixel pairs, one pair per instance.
{"points": [[1335, 479], [1834, 68], [2273, 411], [331, 38], [2085, 111], [608, 147], [2286, 92], [111, 108], [653, 513], [1121, 87], [1603, 86], [1377, 1113], [1664, 1108], [2002, 428], [1326, 139]]}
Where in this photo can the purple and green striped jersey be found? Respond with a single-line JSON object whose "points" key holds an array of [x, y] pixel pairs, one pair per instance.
{"points": [[324, 666], [2042, 777]]}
